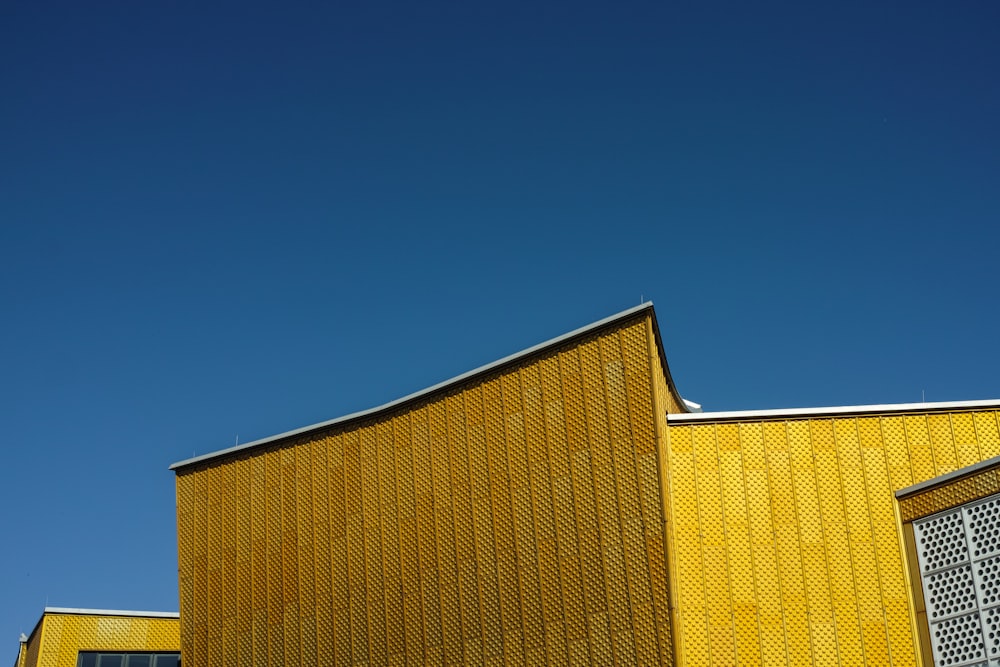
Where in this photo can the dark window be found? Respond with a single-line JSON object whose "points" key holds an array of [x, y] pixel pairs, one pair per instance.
{"points": [[144, 659]]}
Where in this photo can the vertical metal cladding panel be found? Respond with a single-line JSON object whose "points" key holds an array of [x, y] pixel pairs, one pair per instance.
{"points": [[767, 589], [630, 433], [390, 528], [648, 528], [579, 517], [611, 519], [661, 550], [375, 603], [964, 432], [896, 452], [306, 548], [31, 650], [564, 507], [444, 500], [789, 542], [291, 623], [258, 562], [526, 553], [663, 560], [63, 637], [340, 510], [722, 638], [187, 503], [354, 547], [60, 637], [505, 557], [410, 602], [465, 545], [689, 580], [545, 527], [323, 605], [868, 444], [607, 616], [227, 579], [741, 571], [272, 573], [790, 530], [843, 592], [241, 577], [988, 434], [516, 520], [215, 556], [942, 443], [485, 556]]}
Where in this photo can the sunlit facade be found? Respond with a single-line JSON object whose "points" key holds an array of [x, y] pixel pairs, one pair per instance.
{"points": [[102, 638], [564, 505]]}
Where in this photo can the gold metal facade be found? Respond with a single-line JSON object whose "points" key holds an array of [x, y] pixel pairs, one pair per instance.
{"points": [[785, 537], [517, 519], [58, 637], [550, 513]]}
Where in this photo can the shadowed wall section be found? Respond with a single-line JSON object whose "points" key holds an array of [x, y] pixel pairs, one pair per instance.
{"points": [[515, 518]]}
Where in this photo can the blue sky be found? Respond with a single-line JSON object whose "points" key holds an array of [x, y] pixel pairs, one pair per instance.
{"points": [[227, 222]]}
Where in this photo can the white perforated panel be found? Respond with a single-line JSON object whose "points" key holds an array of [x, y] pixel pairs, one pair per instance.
{"points": [[941, 541], [949, 592], [958, 641], [984, 528], [958, 552], [991, 628], [987, 575]]}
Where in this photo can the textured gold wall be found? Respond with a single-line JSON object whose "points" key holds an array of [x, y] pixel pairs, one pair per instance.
{"points": [[60, 637], [518, 519], [784, 536]]}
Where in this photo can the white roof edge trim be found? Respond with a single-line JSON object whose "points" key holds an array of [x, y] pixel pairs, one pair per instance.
{"points": [[844, 409], [646, 305], [112, 612], [948, 477]]}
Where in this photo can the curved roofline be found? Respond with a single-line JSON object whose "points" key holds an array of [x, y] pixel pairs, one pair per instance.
{"points": [[458, 379]]}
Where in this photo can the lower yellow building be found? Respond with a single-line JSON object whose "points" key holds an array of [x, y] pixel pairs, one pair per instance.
{"points": [[102, 638], [565, 505]]}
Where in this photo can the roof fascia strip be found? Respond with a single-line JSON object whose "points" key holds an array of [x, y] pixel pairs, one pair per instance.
{"points": [[111, 612], [839, 410]]}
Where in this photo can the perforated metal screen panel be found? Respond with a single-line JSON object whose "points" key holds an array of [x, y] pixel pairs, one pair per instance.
{"points": [[959, 556]]}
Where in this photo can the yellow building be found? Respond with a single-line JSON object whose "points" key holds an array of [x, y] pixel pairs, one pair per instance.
{"points": [[102, 638], [564, 505]]}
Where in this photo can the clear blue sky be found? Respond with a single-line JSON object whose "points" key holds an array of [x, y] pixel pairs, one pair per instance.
{"points": [[234, 221]]}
